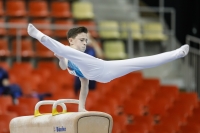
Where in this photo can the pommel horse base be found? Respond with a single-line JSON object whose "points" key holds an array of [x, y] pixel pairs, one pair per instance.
{"points": [[64, 122]]}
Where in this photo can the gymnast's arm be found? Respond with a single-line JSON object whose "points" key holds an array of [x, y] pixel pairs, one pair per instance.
{"points": [[83, 94], [63, 62]]}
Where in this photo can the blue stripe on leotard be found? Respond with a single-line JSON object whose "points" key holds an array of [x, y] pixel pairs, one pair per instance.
{"points": [[74, 69]]}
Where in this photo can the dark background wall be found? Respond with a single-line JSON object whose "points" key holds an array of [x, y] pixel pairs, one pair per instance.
{"points": [[187, 16]]}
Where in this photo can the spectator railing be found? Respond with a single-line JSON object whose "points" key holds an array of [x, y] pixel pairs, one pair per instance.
{"points": [[169, 31], [192, 63], [19, 27]]}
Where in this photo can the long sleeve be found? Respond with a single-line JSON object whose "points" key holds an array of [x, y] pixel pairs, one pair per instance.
{"points": [[63, 63]]}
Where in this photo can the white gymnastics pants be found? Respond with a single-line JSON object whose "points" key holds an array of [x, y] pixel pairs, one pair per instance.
{"points": [[105, 71]]}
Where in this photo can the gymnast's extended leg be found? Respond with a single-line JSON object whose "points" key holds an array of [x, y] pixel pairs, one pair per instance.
{"points": [[119, 68], [104, 71]]}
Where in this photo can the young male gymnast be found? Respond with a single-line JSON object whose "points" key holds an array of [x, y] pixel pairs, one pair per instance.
{"points": [[87, 67]]}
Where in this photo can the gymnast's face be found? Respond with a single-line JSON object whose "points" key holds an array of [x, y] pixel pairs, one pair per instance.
{"points": [[79, 42]]}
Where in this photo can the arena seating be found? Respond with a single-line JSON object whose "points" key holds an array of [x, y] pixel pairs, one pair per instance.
{"points": [[135, 29], [1, 8], [38, 9], [62, 33], [26, 48], [4, 50], [13, 31], [153, 32], [15, 8], [82, 10], [2, 29], [60, 9], [146, 102], [109, 29], [114, 50], [137, 104]]}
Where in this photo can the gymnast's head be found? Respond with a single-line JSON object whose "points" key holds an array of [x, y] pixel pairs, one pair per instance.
{"points": [[78, 38]]}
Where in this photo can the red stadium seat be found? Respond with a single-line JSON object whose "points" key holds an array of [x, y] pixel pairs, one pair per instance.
{"points": [[188, 128], [4, 50], [164, 128], [23, 31], [89, 24], [93, 96], [4, 127], [36, 78], [171, 119], [48, 87], [183, 107], [100, 108], [108, 87], [5, 120], [111, 105], [52, 66], [15, 8], [196, 110], [27, 85], [1, 8], [158, 106], [30, 83], [116, 95], [147, 121], [14, 78], [133, 107], [38, 9], [63, 94], [189, 98], [29, 101], [134, 78], [21, 70], [21, 110], [143, 94], [145, 88], [61, 81], [26, 48], [181, 112], [5, 102], [169, 92], [62, 33], [195, 118], [68, 78], [42, 51], [153, 82], [60, 9], [136, 128], [43, 74], [2, 29], [4, 65], [72, 107], [120, 122], [25, 66], [45, 22], [171, 89], [64, 41]]}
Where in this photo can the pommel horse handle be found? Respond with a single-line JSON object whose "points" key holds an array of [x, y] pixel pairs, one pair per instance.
{"points": [[47, 102], [62, 101]]}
